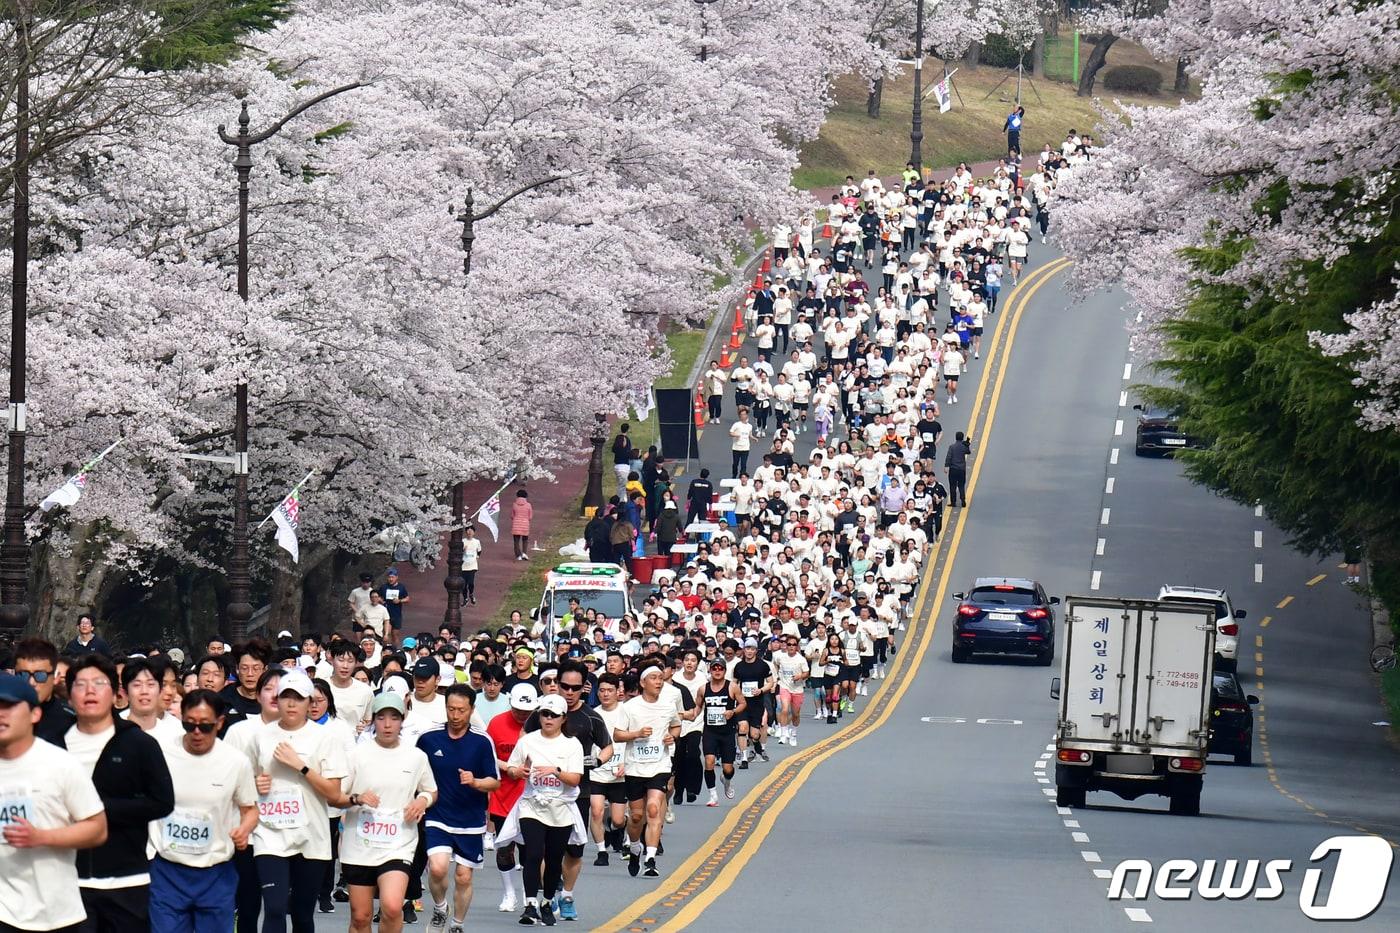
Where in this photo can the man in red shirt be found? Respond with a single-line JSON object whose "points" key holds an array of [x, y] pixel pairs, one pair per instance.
{"points": [[504, 730]]}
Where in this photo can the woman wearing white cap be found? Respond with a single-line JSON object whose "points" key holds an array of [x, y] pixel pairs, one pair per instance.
{"points": [[546, 818], [390, 787], [298, 767]]}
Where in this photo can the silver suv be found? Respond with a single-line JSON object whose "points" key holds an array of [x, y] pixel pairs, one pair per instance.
{"points": [[1227, 628]]}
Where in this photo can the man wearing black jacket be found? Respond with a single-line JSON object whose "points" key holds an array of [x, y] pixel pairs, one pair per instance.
{"points": [[698, 496], [37, 661], [959, 452], [88, 641], [129, 771]]}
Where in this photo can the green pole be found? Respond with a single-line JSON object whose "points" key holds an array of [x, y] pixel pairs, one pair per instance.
{"points": [[1076, 56]]}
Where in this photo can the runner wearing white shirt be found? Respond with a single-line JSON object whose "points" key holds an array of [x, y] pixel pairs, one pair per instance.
{"points": [[390, 788], [48, 809], [608, 799], [352, 698], [953, 361], [792, 671], [216, 808], [650, 726], [142, 679]]}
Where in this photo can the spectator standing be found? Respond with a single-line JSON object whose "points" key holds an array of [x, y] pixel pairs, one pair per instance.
{"points": [[521, 511], [959, 452], [52, 810], [698, 496], [88, 641], [623, 453], [1013, 129], [471, 562]]}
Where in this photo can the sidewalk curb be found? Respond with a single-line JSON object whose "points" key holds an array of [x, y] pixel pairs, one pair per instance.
{"points": [[1382, 634]]}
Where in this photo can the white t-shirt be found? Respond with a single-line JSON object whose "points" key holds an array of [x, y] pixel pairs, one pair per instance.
{"points": [[51, 789], [789, 668], [293, 818], [471, 551], [375, 835], [548, 799], [740, 432], [209, 789], [167, 728], [87, 748], [610, 772], [352, 703], [649, 756]]}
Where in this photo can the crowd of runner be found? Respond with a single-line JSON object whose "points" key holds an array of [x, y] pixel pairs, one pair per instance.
{"points": [[276, 779]]}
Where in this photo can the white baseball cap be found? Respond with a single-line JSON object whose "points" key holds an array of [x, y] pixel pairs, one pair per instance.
{"points": [[296, 682], [524, 697]]}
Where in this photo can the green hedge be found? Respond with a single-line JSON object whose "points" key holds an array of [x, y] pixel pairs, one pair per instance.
{"points": [[1136, 79], [999, 53]]}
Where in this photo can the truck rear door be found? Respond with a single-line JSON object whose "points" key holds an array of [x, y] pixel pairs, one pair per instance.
{"points": [[1100, 645], [1175, 652]]}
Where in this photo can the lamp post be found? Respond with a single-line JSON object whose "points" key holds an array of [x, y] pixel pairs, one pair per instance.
{"points": [[452, 582], [916, 129], [14, 548], [240, 608], [704, 29], [593, 495]]}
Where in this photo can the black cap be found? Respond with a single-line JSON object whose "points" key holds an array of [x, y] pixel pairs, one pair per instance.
{"points": [[426, 669]]}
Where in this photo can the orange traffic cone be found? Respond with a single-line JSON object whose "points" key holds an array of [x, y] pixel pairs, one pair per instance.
{"points": [[739, 317], [724, 358], [758, 281], [767, 263], [827, 232], [736, 339], [699, 409]]}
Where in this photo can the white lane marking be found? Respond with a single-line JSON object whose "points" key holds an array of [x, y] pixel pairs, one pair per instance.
{"points": [[1094, 579], [1048, 791], [1122, 399], [1137, 915], [1063, 811], [1045, 756], [1258, 511], [1039, 763], [1098, 548], [1090, 856], [1103, 519], [1127, 370], [1108, 486], [1258, 573], [1043, 780], [1103, 873], [1118, 428], [1071, 824], [1113, 456], [1050, 748], [1259, 539], [1081, 837]]}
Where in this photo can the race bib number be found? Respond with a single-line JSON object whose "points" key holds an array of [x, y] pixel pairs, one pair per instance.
{"points": [[833, 670], [187, 832], [648, 753], [546, 785], [749, 688], [282, 809], [15, 805], [379, 829], [391, 595], [714, 716]]}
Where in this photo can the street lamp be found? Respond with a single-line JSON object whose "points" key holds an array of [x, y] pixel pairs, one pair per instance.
{"points": [[452, 582], [704, 28], [240, 608], [593, 495], [916, 129], [14, 549]]}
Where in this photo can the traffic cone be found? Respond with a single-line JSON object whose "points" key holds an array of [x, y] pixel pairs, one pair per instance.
{"points": [[767, 265], [758, 281], [724, 358], [736, 339], [739, 317], [827, 232], [699, 408]]}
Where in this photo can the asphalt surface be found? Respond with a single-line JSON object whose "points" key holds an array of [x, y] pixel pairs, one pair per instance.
{"points": [[935, 819]]}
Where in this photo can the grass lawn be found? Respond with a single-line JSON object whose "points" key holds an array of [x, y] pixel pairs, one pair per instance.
{"points": [[850, 142], [524, 593]]}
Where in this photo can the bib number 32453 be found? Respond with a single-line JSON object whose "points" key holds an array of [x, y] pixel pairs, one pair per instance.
{"points": [[282, 809]]}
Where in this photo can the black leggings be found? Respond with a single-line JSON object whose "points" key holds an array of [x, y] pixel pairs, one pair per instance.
{"points": [[248, 901], [543, 844], [468, 582], [688, 765], [289, 885]]}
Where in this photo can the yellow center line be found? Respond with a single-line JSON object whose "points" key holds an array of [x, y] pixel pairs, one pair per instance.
{"points": [[853, 732], [1264, 622], [1317, 579], [1284, 602]]}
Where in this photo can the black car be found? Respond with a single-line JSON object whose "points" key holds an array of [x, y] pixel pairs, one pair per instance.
{"points": [[1231, 719], [1005, 615], [1158, 433]]}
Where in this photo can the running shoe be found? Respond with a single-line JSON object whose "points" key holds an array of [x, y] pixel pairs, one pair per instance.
{"points": [[792, 741], [438, 920], [340, 895], [713, 801], [831, 720], [508, 902], [670, 815], [456, 928], [601, 858], [729, 791], [531, 916], [651, 871], [634, 865], [566, 909], [547, 913], [325, 905], [763, 754], [410, 911]]}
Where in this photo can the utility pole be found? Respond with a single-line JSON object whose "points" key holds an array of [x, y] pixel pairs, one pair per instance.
{"points": [[916, 129]]}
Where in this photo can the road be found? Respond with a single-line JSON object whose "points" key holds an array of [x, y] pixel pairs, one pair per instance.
{"points": [[932, 807]]}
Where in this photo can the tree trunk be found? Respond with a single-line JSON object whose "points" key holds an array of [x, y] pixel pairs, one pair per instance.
{"points": [[1035, 65], [1097, 58], [70, 577], [872, 100], [1183, 82], [973, 56]]}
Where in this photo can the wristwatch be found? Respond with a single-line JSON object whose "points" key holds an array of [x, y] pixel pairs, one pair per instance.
{"points": [[305, 769], [354, 800]]}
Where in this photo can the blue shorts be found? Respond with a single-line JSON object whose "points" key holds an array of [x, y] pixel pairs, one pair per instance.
{"points": [[466, 848]]}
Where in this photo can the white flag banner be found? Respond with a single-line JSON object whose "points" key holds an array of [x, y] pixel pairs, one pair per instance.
{"points": [[943, 90], [287, 518], [71, 491], [487, 515], [643, 401]]}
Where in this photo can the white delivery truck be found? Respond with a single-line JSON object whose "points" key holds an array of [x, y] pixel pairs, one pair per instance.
{"points": [[1134, 692]]}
